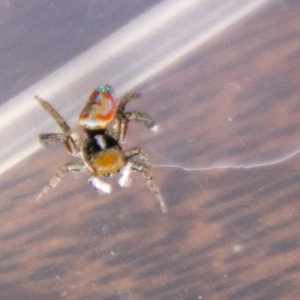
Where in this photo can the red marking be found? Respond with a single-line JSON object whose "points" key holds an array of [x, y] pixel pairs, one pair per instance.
{"points": [[84, 115]]}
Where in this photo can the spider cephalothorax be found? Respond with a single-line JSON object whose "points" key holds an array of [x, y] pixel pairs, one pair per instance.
{"points": [[103, 155], [100, 154]]}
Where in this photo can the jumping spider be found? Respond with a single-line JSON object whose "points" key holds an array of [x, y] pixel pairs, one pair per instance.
{"points": [[100, 154]]}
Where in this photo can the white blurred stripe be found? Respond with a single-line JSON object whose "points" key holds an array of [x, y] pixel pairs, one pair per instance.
{"points": [[157, 38]]}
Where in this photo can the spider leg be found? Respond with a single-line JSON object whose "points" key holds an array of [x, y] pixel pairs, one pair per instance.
{"points": [[47, 138], [145, 168], [56, 115], [140, 117], [128, 97], [72, 143], [134, 116], [57, 178], [121, 124], [69, 138], [123, 118], [125, 179], [147, 172], [122, 129], [134, 151]]}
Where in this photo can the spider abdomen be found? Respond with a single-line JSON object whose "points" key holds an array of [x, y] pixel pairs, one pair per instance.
{"points": [[100, 109]]}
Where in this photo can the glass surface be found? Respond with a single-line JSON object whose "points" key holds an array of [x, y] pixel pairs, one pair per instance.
{"points": [[222, 82]]}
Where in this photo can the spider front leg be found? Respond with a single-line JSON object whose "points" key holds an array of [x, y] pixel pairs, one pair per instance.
{"points": [[47, 138], [71, 142], [127, 97], [144, 167], [69, 138], [124, 117], [55, 180], [133, 116], [56, 115], [141, 117]]}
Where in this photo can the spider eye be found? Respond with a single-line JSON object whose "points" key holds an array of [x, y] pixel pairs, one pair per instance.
{"points": [[105, 89]]}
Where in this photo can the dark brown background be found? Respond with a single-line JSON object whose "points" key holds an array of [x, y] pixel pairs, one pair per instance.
{"points": [[231, 232]]}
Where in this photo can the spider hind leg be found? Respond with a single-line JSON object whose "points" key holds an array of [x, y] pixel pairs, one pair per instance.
{"points": [[154, 188], [144, 167], [57, 178]]}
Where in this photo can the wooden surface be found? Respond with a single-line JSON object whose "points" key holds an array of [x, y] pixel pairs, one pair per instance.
{"points": [[229, 117]]}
